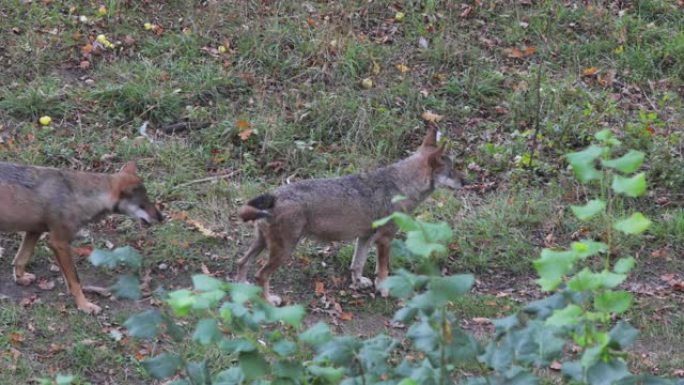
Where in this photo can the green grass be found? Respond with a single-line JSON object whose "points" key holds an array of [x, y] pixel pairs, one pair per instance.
{"points": [[293, 75]]}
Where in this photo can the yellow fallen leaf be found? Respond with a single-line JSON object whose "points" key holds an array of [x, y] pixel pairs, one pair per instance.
{"points": [[403, 68], [431, 117], [591, 71]]}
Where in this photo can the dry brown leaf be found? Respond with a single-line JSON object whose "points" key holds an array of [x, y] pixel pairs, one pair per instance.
{"points": [[242, 124], [16, 338], [245, 134], [431, 117], [346, 316], [482, 320], [516, 53], [44, 284], [84, 65], [467, 11], [83, 251], [311, 22], [590, 71], [205, 269], [555, 365], [87, 49], [319, 288], [402, 68]]}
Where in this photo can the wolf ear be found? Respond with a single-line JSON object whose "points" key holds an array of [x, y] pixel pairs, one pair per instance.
{"points": [[129, 168], [435, 157], [430, 139]]}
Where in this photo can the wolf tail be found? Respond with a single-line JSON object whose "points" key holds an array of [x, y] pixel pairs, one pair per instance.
{"points": [[257, 208]]}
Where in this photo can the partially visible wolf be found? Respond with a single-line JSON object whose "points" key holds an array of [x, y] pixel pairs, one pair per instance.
{"points": [[344, 208], [35, 200]]}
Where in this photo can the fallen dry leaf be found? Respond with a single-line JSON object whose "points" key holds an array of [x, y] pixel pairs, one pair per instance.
{"points": [[402, 68], [482, 320], [555, 365], [44, 284], [346, 316], [242, 124], [591, 71], [245, 134], [83, 251], [319, 288], [30, 300], [516, 53], [16, 338], [431, 117]]}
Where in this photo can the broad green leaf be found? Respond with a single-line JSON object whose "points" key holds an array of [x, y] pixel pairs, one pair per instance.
{"points": [[339, 350], [208, 299], [582, 163], [126, 256], [593, 355], [291, 315], [604, 135], [232, 376], [407, 381], [552, 266], [316, 335], [573, 370], [624, 265], [449, 288], [424, 337], [64, 379], [635, 224], [632, 187], [285, 348], [198, 372], [289, 370], [203, 282], [590, 209], [405, 314], [608, 373], [144, 325], [587, 248], [253, 365], [237, 345], [243, 292], [506, 323], [623, 334], [565, 317], [543, 308], [206, 332], [172, 329], [162, 366], [331, 375], [419, 244], [613, 301], [127, 287], [399, 286], [585, 280], [405, 222], [181, 301], [610, 280], [627, 163], [374, 354]]}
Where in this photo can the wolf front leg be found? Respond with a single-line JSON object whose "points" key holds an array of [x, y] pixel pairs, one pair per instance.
{"points": [[383, 243], [358, 262], [62, 250], [28, 244]]}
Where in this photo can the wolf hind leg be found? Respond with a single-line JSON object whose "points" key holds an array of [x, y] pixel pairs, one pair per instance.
{"points": [[358, 262], [28, 244], [257, 246]]}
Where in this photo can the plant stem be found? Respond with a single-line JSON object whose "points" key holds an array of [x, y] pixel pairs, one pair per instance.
{"points": [[442, 353]]}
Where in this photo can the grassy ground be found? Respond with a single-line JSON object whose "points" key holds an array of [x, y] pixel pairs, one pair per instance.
{"points": [[273, 90]]}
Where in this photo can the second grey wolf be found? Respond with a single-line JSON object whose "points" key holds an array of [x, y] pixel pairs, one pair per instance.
{"points": [[345, 208], [35, 200]]}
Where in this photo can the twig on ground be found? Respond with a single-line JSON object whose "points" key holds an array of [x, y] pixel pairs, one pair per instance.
{"points": [[207, 179], [184, 126]]}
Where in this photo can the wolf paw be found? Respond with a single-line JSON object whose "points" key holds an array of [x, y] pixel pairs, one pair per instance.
{"points": [[384, 292], [361, 283], [90, 308], [274, 300], [25, 280]]}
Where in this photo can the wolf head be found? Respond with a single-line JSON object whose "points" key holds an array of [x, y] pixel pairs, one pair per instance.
{"points": [[131, 197], [444, 175]]}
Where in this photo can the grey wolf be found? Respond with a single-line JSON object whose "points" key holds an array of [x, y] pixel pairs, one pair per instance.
{"points": [[35, 200], [344, 208]]}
